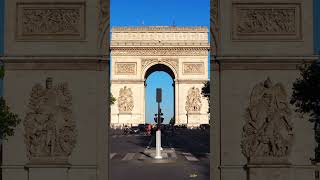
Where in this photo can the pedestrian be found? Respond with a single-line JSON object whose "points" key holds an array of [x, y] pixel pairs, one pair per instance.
{"points": [[149, 129]]}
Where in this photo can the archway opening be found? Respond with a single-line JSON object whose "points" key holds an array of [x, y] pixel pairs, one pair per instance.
{"points": [[159, 76]]}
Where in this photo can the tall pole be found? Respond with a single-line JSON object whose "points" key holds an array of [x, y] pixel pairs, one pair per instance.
{"points": [[159, 116], [158, 133]]}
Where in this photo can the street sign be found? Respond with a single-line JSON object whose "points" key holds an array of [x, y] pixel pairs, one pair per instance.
{"points": [[159, 95]]}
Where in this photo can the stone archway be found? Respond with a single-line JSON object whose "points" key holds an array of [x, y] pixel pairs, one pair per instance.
{"points": [[137, 51], [163, 67]]}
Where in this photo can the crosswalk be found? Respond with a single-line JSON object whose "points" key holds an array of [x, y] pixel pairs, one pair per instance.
{"points": [[141, 156], [127, 135]]}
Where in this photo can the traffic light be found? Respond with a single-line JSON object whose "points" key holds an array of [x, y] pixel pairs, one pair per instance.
{"points": [[162, 119], [155, 118]]}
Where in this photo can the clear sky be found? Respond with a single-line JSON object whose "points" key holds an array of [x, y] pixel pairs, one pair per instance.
{"points": [[159, 13]]}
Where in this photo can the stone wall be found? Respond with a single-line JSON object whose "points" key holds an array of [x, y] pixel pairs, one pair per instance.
{"points": [[57, 79], [258, 55]]}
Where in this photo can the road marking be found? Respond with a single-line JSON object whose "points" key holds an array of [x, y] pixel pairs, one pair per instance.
{"points": [[128, 156], [190, 157], [208, 154], [114, 136], [112, 155], [130, 135], [136, 135]]}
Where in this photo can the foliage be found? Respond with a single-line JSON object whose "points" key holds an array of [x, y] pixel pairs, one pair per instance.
{"points": [[8, 120], [205, 91], [306, 98], [112, 99], [1, 72], [172, 121]]}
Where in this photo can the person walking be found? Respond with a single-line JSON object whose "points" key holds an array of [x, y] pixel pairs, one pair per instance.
{"points": [[149, 129]]}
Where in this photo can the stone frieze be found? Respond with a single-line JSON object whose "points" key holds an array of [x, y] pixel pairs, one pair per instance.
{"points": [[254, 21], [126, 68], [44, 21]]}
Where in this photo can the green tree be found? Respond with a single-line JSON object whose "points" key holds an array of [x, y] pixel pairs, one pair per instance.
{"points": [[205, 91], [1, 72], [112, 99], [306, 98], [8, 120], [172, 121]]}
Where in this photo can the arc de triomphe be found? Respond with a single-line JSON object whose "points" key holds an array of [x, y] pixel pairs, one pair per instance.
{"points": [[136, 52]]}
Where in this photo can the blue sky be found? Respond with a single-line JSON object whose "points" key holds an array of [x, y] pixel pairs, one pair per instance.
{"points": [[159, 13]]}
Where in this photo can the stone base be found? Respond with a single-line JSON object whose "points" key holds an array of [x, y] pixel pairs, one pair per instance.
{"points": [[283, 161], [270, 172], [48, 168], [151, 153], [48, 173]]}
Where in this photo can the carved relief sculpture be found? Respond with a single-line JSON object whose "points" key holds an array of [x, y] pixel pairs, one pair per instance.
{"points": [[282, 20], [214, 23], [193, 68], [50, 130], [104, 23], [267, 134], [173, 62], [193, 103], [115, 51], [125, 100], [47, 21], [126, 68]]}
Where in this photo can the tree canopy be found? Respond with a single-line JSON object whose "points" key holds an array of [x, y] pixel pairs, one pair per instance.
{"points": [[306, 98]]}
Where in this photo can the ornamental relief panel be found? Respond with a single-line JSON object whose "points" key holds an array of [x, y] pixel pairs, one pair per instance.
{"points": [[193, 68], [159, 52], [125, 100], [172, 61], [126, 68], [193, 103], [50, 129], [146, 36], [44, 21], [266, 21], [104, 23], [268, 131]]}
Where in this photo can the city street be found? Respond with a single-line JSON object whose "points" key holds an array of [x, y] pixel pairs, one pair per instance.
{"points": [[190, 154]]}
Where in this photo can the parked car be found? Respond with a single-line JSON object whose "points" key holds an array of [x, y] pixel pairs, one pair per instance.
{"points": [[134, 130], [142, 127], [204, 126]]}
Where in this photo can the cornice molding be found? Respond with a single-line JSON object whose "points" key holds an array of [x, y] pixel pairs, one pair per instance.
{"points": [[127, 81], [161, 51], [160, 29], [261, 62]]}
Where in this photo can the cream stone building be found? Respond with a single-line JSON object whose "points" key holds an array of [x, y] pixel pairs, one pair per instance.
{"points": [[136, 52], [257, 47]]}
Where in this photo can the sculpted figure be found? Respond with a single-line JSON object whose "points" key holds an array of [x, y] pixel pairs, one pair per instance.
{"points": [[268, 128], [125, 100], [193, 103], [49, 127]]}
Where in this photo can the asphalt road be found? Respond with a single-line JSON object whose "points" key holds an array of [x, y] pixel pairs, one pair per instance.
{"points": [[191, 156]]}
